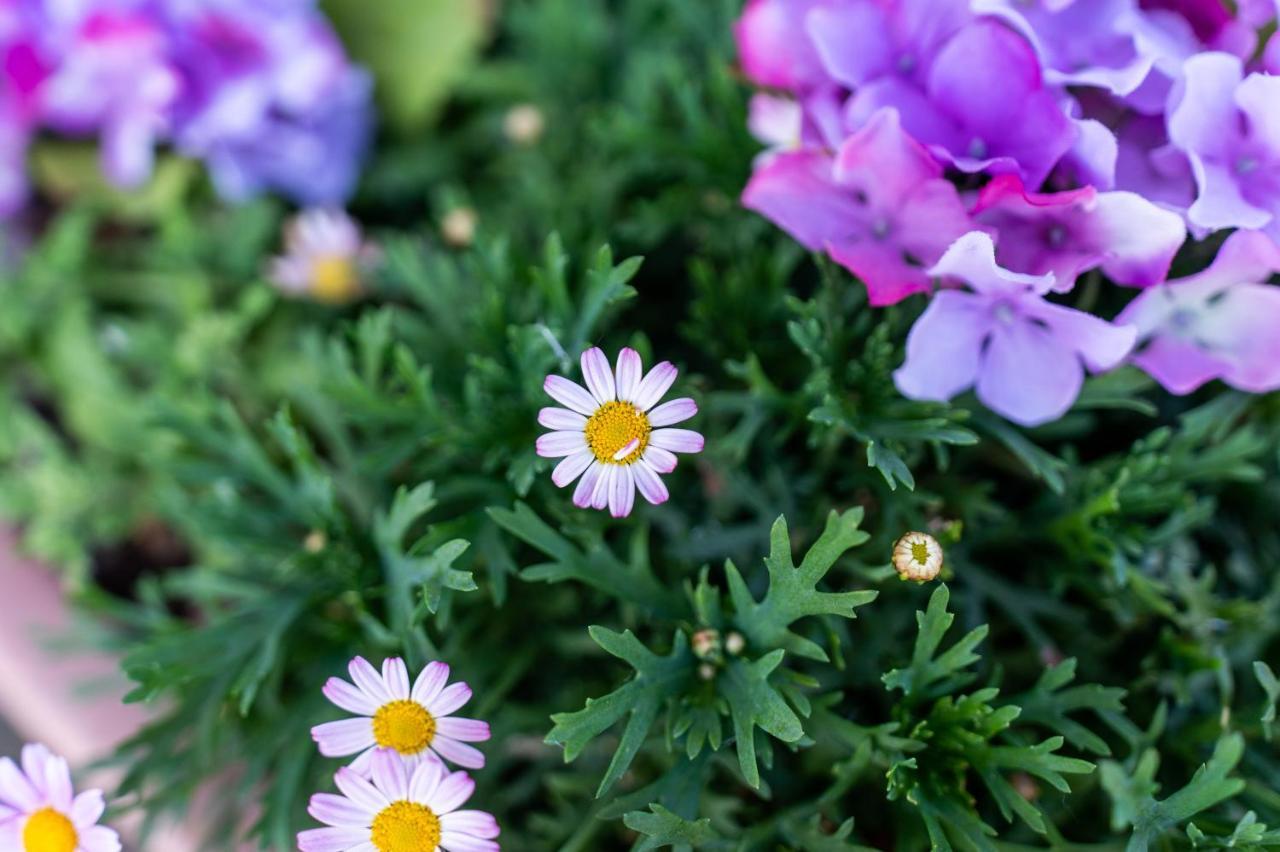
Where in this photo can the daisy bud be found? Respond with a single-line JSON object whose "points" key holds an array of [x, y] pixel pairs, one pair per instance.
{"points": [[1025, 785], [734, 643], [315, 541], [459, 227], [917, 556], [523, 124], [706, 671], [706, 644]]}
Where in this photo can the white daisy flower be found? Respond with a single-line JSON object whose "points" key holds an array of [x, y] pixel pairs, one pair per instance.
{"points": [[917, 556], [324, 257], [612, 435], [399, 810], [414, 723], [40, 812]]}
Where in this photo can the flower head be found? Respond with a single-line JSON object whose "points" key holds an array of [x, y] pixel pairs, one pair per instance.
{"points": [[1218, 324], [1026, 356], [917, 556], [399, 809], [881, 208], [324, 257], [1229, 127], [615, 436], [40, 812], [1067, 233], [414, 723]]}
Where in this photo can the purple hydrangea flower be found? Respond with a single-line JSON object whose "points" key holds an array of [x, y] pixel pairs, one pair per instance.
{"points": [[881, 208], [1218, 324], [1067, 233], [1229, 127], [1024, 130], [1025, 356]]}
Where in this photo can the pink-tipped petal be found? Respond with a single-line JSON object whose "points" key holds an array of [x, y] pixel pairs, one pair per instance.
{"points": [[456, 841], [570, 394], [655, 385], [673, 412], [458, 753], [554, 445], [390, 775], [344, 737], [622, 492], [599, 375], [571, 468], [366, 677], [649, 483], [474, 823], [99, 838], [677, 440], [629, 371], [359, 790], [600, 494], [466, 730], [662, 461], [396, 676], [455, 789], [587, 485], [561, 419], [426, 778], [429, 683], [450, 698], [338, 811], [15, 789], [87, 808], [332, 839], [348, 697]]}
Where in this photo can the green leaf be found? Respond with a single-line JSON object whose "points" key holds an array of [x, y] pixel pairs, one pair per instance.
{"points": [[661, 828], [657, 679], [416, 49], [793, 592], [1249, 835], [1050, 700], [929, 676], [1271, 686], [754, 702]]}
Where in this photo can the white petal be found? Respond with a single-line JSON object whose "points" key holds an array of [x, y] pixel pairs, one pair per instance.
{"points": [[630, 367], [677, 440], [396, 676], [450, 698], [554, 445], [390, 775], [337, 811], [622, 493], [349, 698], [662, 461], [331, 839], [344, 737], [600, 496], [570, 394], [455, 789], [429, 683], [649, 483], [673, 412], [571, 468], [561, 419], [599, 375], [587, 485], [657, 383], [458, 753], [370, 682], [359, 790]]}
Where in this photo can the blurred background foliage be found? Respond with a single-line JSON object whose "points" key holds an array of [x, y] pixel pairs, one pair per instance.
{"points": [[244, 491]]}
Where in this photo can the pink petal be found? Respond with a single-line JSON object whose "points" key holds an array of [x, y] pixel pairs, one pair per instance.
{"points": [[466, 730], [561, 419], [15, 789], [622, 492], [587, 485], [429, 683], [455, 789], [675, 411], [797, 191], [338, 811], [629, 371], [571, 468], [677, 440], [570, 394], [359, 790], [1179, 365], [426, 778], [972, 259], [554, 445], [344, 737], [455, 841], [649, 483], [87, 808], [458, 753], [366, 677], [349, 698], [599, 375], [396, 676], [600, 495], [390, 775], [662, 461], [655, 385], [99, 838], [332, 839], [474, 823], [450, 698]]}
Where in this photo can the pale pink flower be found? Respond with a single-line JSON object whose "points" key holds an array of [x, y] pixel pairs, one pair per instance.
{"points": [[39, 809]]}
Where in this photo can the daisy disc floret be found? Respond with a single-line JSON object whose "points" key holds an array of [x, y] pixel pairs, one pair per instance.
{"points": [[399, 809], [412, 722], [40, 812], [613, 434]]}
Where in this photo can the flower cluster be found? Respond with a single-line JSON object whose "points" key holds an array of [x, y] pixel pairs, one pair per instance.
{"points": [[1000, 149], [40, 811], [397, 795], [263, 93]]}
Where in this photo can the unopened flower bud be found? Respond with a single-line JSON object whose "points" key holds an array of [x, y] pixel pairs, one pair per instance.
{"points": [[734, 643], [459, 227], [315, 541], [706, 671], [1025, 785], [917, 556], [523, 124], [706, 644]]}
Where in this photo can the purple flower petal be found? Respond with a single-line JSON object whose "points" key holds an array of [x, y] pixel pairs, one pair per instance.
{"points": [[455, 789], [450, 698], [797, 192], [457, 753], [972, 259], [944, 348], [1028, 375], [344, 737]]}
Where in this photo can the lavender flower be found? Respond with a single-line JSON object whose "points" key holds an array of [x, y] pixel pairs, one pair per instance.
{"points": [[1025, 356]]}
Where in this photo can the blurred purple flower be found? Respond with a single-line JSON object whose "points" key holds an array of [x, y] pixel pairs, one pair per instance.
{"points": [[1229, 127], [881, 208], [1218, 324], [774, 47], [1067, 233], [1024, 130], [1147, 164], [1025, 356]]}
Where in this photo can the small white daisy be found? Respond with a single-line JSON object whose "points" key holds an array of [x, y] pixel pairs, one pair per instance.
{"points": [[414, 723], [40, 812], [324, 257], [917, 556], [612, 435], [399, 810]]}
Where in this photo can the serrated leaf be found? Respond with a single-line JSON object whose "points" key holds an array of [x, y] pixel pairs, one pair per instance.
{"points": [[928, 676], [662, 828], [754, 702]]}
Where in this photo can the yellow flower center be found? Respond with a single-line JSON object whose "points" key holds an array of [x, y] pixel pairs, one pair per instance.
{"points": [[406, 827], [49, 831], [405, 726], [618, 433], [920, 552], [334, 279]]}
